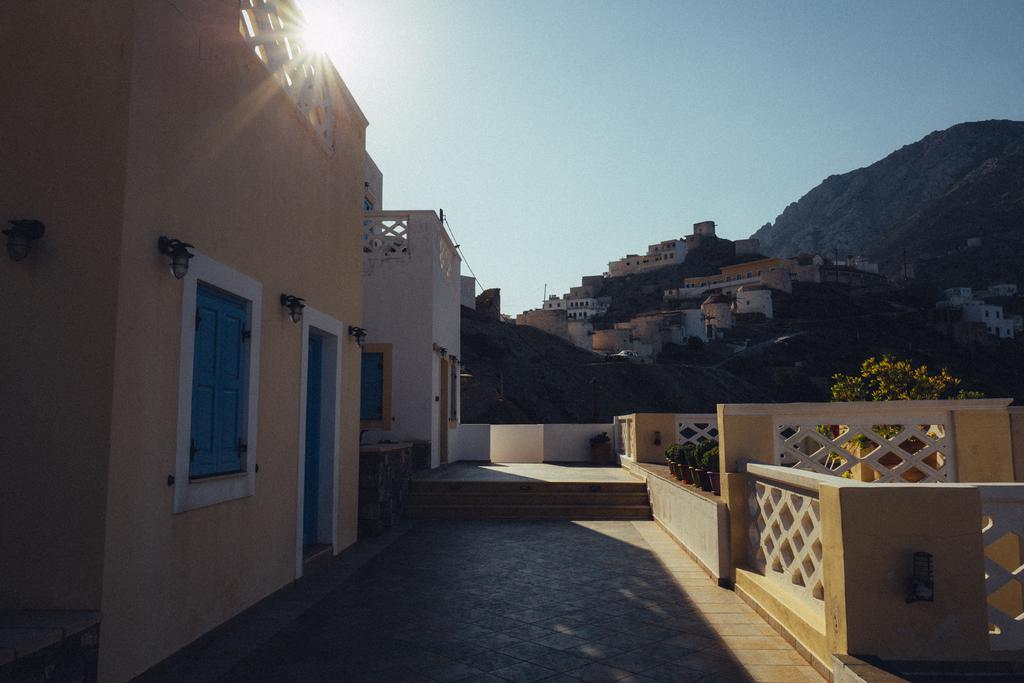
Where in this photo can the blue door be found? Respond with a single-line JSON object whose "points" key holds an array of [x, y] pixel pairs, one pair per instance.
{"points": [[218, 384], [313, 401], [371, 396]]}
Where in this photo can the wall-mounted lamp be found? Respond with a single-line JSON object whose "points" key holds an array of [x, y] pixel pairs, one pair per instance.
{"points": [[443, 351], [657, 438], [20, 236], [294, 305], [358, 332], [179, 253], [464, 373], [921, 586]]}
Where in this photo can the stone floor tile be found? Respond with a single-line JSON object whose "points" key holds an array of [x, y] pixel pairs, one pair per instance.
{"points": [[599, 673], [560, 661], [456, 671], [755, 642], [596, 650], [768, 658], [633, 662], [673, 673], [489, 660], [783, 674], [524, 672], [527, 650]]}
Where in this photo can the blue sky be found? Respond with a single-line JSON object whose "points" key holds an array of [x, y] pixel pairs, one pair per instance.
{"points": [[560, 135]]}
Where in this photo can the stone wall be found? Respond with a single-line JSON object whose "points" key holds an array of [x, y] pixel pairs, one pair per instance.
{"points": [[384, 472]]}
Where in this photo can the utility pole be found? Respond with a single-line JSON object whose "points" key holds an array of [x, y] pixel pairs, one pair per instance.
{"points": [[545, 292]]}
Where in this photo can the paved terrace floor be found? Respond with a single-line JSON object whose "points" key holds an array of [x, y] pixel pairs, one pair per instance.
{"points": [[504, 601], [551, 472]]}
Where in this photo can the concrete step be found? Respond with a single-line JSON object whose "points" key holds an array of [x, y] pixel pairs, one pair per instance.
{"points": [[490, 487], [580, 512], [527, 498]]}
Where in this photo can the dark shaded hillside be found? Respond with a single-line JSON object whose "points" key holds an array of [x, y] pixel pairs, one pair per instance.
{"points": [[967, 177], [523, 375]]}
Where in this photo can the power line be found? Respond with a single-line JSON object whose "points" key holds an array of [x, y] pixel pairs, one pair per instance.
{"points": [[458, 248]]}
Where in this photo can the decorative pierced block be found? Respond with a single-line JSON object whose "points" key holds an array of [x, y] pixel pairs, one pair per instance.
{"points": [[785, 539], [386, 238], [447, 260], [272, 28], [696, 428], [915, 451], [1002, 532]]}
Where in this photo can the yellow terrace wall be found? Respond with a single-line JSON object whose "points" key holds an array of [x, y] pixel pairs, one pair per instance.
{"points": [[219, 156], [63, 134]]}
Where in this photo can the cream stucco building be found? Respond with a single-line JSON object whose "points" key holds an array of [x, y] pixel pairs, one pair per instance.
{"points": [[171, 444]]}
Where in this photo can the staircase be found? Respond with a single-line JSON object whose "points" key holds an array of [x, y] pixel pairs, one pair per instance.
{"points": [[527, 500]]}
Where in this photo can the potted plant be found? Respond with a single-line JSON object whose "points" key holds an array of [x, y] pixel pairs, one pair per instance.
{"points": [[601, 449], [693, 464], [673, 455], [707, 455]]}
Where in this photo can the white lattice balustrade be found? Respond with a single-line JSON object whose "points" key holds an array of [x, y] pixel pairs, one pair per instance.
{"points": [[273, 29], [785, 538], [386, 237], [1003, 535], [915, 450], [695, 428]]}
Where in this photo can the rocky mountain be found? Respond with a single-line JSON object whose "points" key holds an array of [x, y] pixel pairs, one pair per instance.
{"points": [[926, 197]]}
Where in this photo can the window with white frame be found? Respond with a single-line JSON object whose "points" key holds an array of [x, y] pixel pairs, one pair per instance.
{"points": [[218, 382]]}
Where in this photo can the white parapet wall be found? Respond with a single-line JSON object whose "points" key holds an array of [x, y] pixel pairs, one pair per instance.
{"points": [[528, 443]]}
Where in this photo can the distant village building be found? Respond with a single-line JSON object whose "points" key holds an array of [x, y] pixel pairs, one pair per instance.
{"points": [[660, 255], [717, 311], [701, 231], [754, 299], [748, 247], [973, 309], [468, 288], [775, 273], [552, 321]]}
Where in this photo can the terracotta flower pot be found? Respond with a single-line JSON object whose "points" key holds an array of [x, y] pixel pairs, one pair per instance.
{"points": [[698, 476], [684, 474], [716, 482]]}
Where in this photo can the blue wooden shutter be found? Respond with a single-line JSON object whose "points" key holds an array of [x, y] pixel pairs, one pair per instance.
{"points": [[218, 383], [371, 397]]}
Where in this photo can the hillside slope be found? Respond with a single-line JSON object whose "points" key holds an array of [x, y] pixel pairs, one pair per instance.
{"points": [[923, 196], [523, 375]]}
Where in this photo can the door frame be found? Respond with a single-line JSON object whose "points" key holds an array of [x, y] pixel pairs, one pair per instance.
{"points": [[332, 332]]}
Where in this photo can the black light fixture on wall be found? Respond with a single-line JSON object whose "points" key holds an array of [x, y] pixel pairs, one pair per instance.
{"points": [[20, 236], [358, 333], [179, 254], [294, 305]]}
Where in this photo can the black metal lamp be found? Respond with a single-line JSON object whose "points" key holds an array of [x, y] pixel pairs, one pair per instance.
{"points": [[294, 305], [179, 253], [443, 351], [20, 236], [921, 586], [358, 333]]}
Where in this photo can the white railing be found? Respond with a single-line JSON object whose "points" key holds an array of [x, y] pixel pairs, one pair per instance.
{"points": [[271, 29], [696, 427], [386, 236], [890, 447], [1002, 507], [785, 532]]}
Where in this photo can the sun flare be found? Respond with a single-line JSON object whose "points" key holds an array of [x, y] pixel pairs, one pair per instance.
{"points": [[319, 29]]}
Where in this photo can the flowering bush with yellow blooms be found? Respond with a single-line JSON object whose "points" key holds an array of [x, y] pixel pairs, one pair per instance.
{"points": [[891, 379]]}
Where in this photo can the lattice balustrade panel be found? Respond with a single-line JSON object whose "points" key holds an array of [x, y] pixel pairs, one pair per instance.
{"points": [[785, 538], [696, 428], [915, 451], [273, 29], [1003, 537], [386, 238]]}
